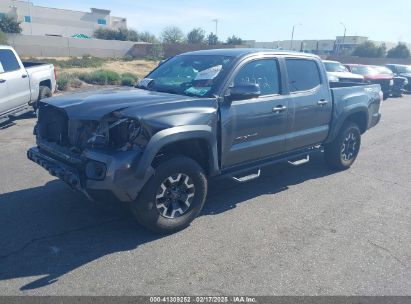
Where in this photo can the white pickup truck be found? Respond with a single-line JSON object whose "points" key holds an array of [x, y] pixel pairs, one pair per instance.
{"points": [[22, 84]]}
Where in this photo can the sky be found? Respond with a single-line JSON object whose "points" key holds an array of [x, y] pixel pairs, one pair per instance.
{"points": [[262, 20]]}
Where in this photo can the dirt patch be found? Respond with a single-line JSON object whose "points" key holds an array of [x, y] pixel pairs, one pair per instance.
{"points": [[138, 67]]}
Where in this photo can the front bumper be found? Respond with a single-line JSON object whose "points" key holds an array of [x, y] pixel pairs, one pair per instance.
{"points": [[119, 178]]}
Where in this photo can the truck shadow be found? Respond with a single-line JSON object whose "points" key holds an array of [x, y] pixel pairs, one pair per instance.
{"points": [[49, 231]]}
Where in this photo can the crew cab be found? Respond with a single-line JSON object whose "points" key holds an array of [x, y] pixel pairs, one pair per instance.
{"points": [[22, 84], [197, 116]]}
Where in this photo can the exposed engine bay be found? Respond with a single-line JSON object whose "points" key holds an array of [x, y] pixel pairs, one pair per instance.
{"points": [[112, 132]]}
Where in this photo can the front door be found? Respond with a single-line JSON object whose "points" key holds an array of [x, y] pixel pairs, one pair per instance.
{"points": [[254, 128]]}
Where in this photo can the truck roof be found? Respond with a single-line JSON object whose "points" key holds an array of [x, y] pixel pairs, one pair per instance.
{"points": [[239, 52]]}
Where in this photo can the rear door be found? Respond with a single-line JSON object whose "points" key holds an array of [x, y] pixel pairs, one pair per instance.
{"points": [[310, 103], [14, 82], [254, 128]]}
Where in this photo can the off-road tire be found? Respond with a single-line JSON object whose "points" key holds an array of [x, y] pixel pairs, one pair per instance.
{"points": [[145, 207], [335, 153]]}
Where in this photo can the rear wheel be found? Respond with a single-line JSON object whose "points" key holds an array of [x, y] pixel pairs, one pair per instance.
{"points": [[173, 197], [342, 152], [44, 92]]}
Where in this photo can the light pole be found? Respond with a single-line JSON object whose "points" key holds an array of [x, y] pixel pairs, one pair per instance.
{"points": [[31, 26], [343, 41], [292, 35], [216, 26]]}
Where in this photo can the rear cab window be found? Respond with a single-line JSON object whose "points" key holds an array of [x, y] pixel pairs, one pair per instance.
{"points": [[303, 74], [8, 61]]}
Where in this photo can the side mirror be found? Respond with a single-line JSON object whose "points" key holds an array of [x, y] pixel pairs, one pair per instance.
{"points": [[244, 91]]}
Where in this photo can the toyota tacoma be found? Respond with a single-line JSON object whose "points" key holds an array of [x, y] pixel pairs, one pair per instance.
{"points": [[197, 116]]}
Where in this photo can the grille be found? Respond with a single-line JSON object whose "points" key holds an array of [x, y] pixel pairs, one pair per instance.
{"points": [[399, 82], [384, 83]]}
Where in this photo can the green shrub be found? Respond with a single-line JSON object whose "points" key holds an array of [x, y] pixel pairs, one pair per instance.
{"points": [[76, 83], [66, 81], [128, 58], [63, 83], [129, 75], [128, 81], [101, 77], [112, 77]]}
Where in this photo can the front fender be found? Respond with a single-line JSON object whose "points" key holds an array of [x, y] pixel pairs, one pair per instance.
{"points": [[175, 134]]}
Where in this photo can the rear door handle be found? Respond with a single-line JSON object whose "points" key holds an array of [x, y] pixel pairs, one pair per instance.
{"points": [[322, 102], [279, 109], [2, 80], [24, 76]]}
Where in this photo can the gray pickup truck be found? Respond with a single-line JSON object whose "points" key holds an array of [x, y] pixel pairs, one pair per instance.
{"points": [[197, 116], [22, 84]]}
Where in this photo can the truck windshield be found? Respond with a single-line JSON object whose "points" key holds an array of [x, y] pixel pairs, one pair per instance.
{"points": [[363, 70], [404, 69], [191, 75], [383, 70], [335, 67]]}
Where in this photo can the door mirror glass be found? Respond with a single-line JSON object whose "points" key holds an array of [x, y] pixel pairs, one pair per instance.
{"points": [[244, 91]]}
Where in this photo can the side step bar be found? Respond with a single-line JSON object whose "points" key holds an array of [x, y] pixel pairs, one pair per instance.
{"points": [[300, 161], [247, 178], [256, 175]]}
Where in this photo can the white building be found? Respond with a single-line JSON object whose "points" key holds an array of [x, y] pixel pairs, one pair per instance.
{"points": [[39, 20]]}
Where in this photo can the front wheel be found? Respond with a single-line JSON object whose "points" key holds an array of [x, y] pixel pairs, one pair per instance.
{"points": [[342, 152], [173, 197]]}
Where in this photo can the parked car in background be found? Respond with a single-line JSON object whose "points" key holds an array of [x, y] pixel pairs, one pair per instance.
{"points": [[371, 75], [403, 71], [398, 87], [22, 84], [336, 72], [197, 116]]}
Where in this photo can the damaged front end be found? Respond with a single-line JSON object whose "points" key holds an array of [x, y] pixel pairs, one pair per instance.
{"points": [[89, 155]]}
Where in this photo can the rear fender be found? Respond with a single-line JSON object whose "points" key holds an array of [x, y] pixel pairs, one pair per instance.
{"points": [[339, 121]]}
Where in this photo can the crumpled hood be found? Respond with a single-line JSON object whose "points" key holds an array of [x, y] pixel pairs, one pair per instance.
{"points": [[93, 105], [345, 75]]}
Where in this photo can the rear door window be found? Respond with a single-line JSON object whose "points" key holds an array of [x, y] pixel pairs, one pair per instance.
{"points": [[303, 74], [8, 61]]}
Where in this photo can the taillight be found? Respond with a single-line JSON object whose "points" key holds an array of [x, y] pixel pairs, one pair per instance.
{"points": [[55, 73]]}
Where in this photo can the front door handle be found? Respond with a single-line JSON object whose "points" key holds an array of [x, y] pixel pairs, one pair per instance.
{"points": [[2, 80], [24, 76], [322, 102], [279, 109]]}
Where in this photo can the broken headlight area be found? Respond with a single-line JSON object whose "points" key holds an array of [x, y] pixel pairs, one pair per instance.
{"points": [[120, 134]]}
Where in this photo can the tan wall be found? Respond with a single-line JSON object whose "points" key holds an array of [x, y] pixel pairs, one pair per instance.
{"points": [[47, 46], [370, 61]]}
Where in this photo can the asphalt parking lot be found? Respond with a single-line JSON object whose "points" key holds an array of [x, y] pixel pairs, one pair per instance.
{"points": [[295, 231]]}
